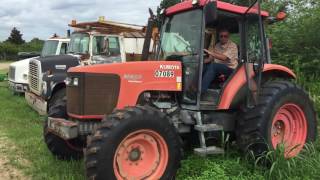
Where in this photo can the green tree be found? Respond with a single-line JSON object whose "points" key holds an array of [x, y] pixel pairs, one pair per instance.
{"points": [[296, 40], [8, 51], [15, 37], [167, 3], [164, 4], [35, 45], [240, 2], [36, 41]]}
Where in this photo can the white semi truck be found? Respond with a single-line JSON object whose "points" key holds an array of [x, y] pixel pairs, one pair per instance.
{"points": [[18, 71]]}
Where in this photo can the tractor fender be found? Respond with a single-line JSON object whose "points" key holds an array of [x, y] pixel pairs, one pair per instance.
{"points": [[236, 85], [57, 87], [54, 83]]}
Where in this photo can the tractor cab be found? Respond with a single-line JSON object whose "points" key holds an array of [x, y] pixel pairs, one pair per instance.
{"points": [[188, 30]]}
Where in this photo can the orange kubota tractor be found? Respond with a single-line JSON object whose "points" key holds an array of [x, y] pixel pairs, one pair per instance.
{"points": [[133, 118]]}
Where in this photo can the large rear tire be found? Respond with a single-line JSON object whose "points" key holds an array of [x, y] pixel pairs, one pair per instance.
{"points": [[134, 143], [62, 149], [284, 115]]}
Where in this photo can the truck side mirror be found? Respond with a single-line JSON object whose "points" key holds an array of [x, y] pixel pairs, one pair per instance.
{"points": [[211, 12]]}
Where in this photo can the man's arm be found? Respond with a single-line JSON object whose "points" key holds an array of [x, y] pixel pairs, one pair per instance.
{"points": [[216, 55]]}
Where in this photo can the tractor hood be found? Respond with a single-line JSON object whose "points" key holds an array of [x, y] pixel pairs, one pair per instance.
{"points": [[157, 70], [127, 81]]}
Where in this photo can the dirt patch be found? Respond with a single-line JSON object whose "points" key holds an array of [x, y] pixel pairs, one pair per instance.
{"points": [[7, 170], [4, 66]]}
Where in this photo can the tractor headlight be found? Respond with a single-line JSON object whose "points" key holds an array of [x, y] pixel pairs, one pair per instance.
{"points": [[75, 81], [72, 81], [68, 81]]}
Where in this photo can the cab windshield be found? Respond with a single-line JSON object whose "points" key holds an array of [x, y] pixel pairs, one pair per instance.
{"points": [[79, 43], [49, 48], [181, 35]]}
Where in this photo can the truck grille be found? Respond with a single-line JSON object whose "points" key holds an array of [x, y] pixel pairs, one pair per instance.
{"points": [[12, 73], [96, 94], [34, 74]]}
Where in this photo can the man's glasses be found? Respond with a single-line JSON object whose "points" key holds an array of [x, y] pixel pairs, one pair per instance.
{"points": [[224, 36]]}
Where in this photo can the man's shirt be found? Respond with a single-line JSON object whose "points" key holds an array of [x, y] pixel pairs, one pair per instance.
{"points": [[230, 50]]}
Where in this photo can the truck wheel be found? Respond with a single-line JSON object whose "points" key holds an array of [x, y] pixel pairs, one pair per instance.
{"points": [[284, 115], [134, 143], [62, 149]]}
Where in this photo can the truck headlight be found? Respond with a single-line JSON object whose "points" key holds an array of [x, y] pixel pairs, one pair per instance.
{"points": [[44, 88], [75, 81]]}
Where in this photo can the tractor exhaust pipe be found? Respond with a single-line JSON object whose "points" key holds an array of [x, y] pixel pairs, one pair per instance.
{"points": [[148, 36]]}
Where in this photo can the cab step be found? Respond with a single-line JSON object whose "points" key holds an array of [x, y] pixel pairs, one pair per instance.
{"points": [[210, 150]]}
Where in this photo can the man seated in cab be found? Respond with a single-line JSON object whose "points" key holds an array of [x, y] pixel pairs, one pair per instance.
{"points": [[223, 59]]}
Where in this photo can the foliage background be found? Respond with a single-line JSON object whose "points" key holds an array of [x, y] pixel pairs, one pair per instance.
{"points": [[9, 49]]}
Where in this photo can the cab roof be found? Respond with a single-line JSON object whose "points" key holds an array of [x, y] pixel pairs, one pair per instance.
{"points": [[223, 6]]}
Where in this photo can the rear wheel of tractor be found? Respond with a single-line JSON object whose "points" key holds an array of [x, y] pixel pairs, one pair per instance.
{"points": [[62, 149], [284, 115], [134, 143]]}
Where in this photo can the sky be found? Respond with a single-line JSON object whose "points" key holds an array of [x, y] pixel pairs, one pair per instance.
{"points": [[43, 18]]}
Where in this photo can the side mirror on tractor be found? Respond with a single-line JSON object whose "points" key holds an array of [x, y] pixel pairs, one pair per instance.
{"points": [[281, 16]]}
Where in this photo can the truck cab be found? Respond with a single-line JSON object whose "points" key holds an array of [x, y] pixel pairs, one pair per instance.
{"points": [[18, 71], [91, 43], [97, 48]]}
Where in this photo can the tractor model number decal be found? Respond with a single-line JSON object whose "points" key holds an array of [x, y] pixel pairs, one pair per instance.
{"points": [[164, 74]]}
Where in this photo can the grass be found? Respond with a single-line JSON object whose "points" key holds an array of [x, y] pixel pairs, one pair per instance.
{"points": [[23, 127], [3, 71], [6, 61]]}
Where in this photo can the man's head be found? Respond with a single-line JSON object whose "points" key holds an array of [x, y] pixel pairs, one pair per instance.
{"points": [[224, 36]]}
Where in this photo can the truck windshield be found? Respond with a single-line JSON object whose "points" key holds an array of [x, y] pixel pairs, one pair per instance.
{"points": [[181, 34], [79, 43], [49, 48]]}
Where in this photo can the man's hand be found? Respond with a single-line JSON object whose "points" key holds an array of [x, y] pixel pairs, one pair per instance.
{"points": [[208, 52], [216, 55]]}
